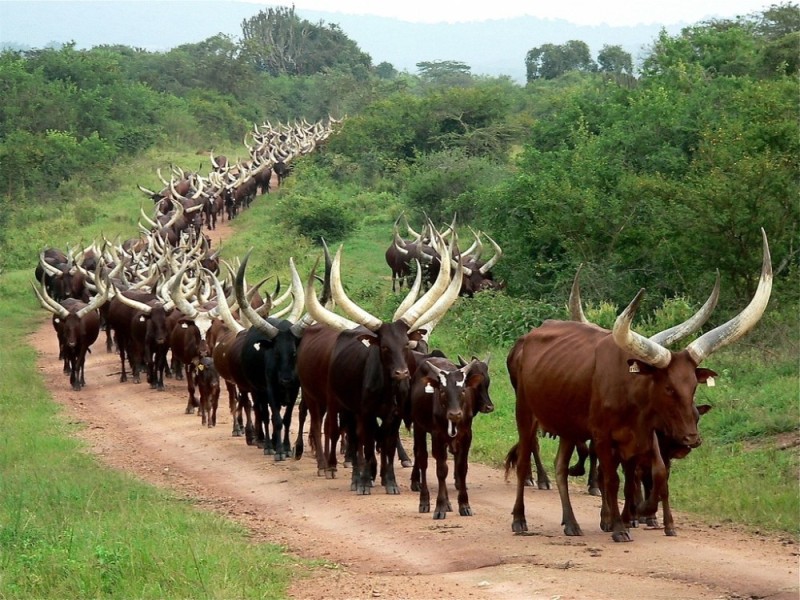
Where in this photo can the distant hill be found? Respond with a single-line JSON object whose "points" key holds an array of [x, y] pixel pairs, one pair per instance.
{"points": [[492, 47]]}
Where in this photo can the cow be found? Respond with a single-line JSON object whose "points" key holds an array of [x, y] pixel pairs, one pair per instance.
{"points": [[208, 384], [269, 360], [138, 320], [579, 381], [77, 326], [359, 370], [187, 338], [443, 401]]}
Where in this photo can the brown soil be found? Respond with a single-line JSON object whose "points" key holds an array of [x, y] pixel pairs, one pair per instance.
{"points": [[379, 546]]}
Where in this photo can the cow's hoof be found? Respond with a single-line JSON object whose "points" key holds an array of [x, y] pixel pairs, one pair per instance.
{"points": [[415, 486], [621, 536], [406, 464], [544, 485], [464, 510], [572, 529], [670, 531]]}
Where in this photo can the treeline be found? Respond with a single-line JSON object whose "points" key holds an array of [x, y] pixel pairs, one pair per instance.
{"points": [[650, 181]]}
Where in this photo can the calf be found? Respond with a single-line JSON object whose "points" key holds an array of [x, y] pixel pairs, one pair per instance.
{"points": [[444, 399], [207, 380]]}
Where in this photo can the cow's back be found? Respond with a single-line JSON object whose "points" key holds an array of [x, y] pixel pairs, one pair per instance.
{"points": [[551, 369]]}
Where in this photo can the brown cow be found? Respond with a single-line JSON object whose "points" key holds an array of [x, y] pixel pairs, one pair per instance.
{"points": [[617, 388]]}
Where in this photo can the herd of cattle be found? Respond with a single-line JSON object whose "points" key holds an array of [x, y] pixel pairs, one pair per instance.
{"points": [[170, 305]]}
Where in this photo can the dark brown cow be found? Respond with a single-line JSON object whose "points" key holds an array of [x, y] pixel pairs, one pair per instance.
{"points": [[443, 401], [138, 320], [208, 384], [187, 339], [616, 388], [359, 370], [77, 326]]}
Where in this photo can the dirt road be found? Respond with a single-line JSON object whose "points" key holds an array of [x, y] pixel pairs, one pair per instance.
{"points": [[380, 545]]}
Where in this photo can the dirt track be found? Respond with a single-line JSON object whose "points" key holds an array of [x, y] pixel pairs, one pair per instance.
{"points": [[383, 547]]}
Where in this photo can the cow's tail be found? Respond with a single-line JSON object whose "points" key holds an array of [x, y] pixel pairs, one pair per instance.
{"points": [[511, 458]]}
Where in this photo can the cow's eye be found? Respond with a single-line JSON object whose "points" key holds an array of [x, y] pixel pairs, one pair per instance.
{"points": [[670, 390]]}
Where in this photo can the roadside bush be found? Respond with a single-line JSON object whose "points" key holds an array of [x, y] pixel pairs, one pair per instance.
{"points": [[324, 215]]}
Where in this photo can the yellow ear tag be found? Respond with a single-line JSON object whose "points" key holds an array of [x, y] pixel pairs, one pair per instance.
{"points": [[710, 382], [200, 367], [634, 368], [429, 389]]}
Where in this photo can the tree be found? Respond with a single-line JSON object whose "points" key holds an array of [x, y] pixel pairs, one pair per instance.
{"points": [[445, 72], [278, 42], [385, 70], [613, 59], [553, 60]]}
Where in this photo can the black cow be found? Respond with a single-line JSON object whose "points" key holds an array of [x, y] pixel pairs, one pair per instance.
{"points": [[443, 401]]}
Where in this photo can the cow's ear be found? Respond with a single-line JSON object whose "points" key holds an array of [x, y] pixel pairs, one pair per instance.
{"points": [[703, 408], [474, 380], [637, 367], [705, 376], [367, 339], [418, 335], [431, 383]]}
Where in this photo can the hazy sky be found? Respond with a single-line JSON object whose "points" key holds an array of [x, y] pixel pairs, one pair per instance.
{"points": [[580, 12]]}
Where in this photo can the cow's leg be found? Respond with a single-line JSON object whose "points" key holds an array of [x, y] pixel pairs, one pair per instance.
{"points": [[439, 451], [405, 461], [542, 480], [669, 523], [287, 423], [632, 493], [244, 405], [611, 519], [391, 439], [192, 402], [332, 433], [123, 377], [364, 441], [302, 413], [421, 468], [461, 466], [565, 448], [526, 429], [276, 421], [212, 422]]}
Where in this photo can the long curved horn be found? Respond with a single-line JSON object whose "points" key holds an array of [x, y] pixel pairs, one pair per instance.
{"points": [[49, 269], [96, 302], [575, 308], [48, 303], [411, 297], [443, 303], [222, 305], [498, 252], [428, 299], [319, 312], [692, 324], [176, 293], [146, 191], [638, 345], [259, 323], [298, 304], [348, 306], [135, 304], [729, 332]]}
